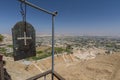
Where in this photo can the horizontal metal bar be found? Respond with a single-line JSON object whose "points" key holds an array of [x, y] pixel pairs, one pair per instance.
{"points": [[40, 75], [37, 7], [58, 76]]}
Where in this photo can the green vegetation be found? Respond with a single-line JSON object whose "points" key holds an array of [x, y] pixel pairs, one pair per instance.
{"points": [[59, 50], [41, 56], [3, 51], [46, 53], [110, 45], [1, 38], [69, 49], [11, 46]]}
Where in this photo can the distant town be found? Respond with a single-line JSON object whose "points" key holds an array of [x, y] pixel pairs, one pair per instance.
{"points": [[67, 45]]}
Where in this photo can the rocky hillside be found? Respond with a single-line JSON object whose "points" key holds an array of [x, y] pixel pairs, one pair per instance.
{"points": [[102, 67]]}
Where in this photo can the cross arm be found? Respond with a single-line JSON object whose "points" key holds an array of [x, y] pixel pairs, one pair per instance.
{"points": [[37, 7]]}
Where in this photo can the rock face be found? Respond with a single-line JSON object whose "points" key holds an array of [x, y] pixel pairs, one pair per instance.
{"points": [[103, 67]]}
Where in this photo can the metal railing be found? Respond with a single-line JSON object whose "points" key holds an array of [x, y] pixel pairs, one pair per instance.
{"points": [[44, 75]]}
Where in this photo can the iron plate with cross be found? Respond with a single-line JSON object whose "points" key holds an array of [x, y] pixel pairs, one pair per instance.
{"points": [[23, 35]]}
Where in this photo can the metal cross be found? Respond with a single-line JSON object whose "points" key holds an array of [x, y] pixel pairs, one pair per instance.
{"points": [[24, 38]]}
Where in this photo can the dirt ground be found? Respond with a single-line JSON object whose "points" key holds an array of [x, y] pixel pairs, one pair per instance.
{"points": [[103, 67]]}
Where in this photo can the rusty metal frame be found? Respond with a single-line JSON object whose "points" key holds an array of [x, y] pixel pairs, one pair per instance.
{"points": [[53, 15]]}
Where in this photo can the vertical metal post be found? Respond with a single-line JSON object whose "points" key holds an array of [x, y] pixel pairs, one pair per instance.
{"points": [[52, 47], [45, 77]]}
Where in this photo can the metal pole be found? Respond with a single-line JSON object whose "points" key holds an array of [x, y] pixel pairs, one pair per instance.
{"points": [[37, 7], [52, 47], [45, 77]]}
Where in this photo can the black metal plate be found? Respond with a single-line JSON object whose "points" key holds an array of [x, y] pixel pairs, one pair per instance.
{"points": [[23, 41]]}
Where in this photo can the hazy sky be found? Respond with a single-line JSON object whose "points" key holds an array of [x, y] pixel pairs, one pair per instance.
{"points": [[78, 17]]}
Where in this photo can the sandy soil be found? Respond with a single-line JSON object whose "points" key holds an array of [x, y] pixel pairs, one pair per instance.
{"points": [[104, 67]]}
